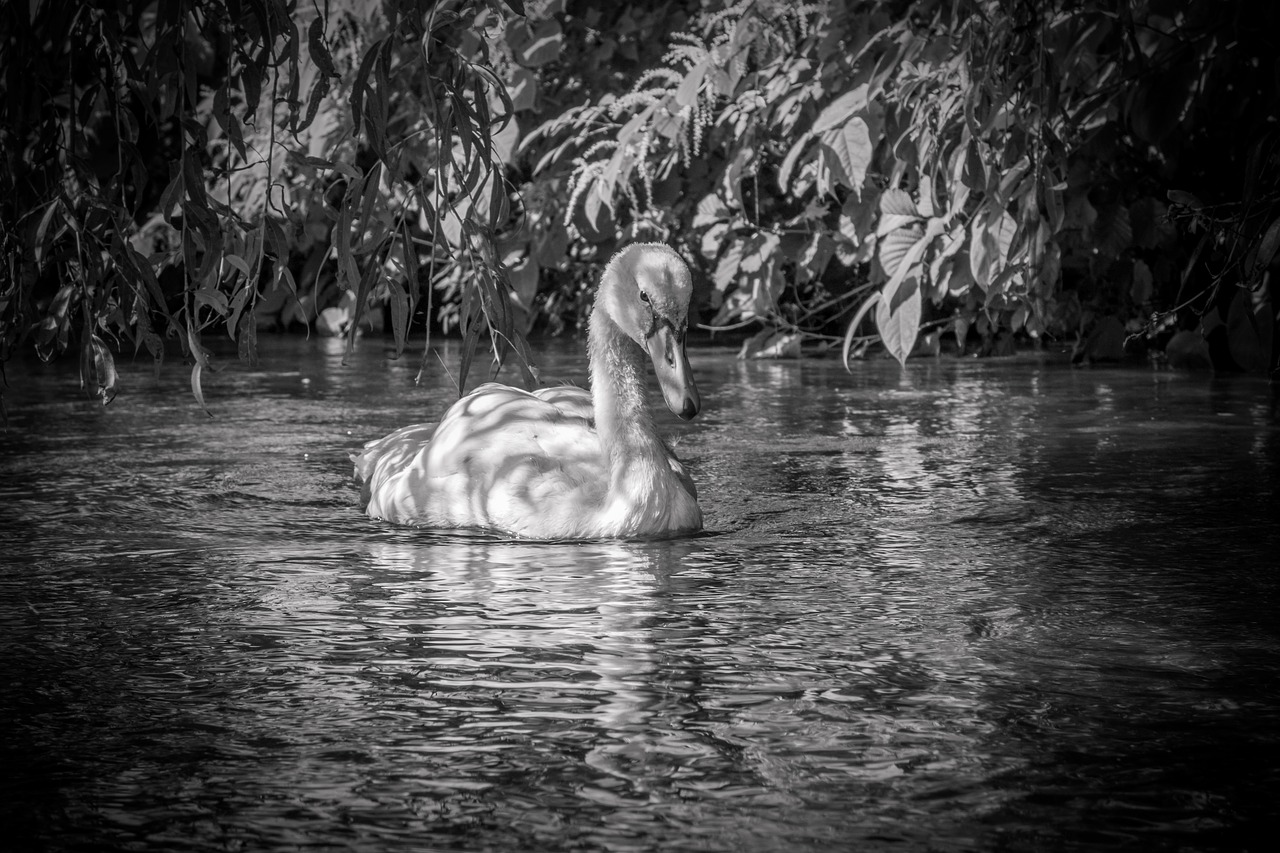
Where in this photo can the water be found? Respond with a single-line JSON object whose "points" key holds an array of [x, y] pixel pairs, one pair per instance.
{"points": [[1001, 605]]}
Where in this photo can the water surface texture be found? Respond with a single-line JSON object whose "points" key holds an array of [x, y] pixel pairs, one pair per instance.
{"points": [[1000, 605]]}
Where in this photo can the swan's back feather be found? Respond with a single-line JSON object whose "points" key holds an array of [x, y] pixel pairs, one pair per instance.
{"points": [[502, 458]]}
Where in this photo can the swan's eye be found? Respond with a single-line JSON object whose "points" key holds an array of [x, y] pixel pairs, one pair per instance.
{"points": [[644, 297]]}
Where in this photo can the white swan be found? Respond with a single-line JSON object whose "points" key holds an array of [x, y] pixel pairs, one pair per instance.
{"points": [[561, 463]]}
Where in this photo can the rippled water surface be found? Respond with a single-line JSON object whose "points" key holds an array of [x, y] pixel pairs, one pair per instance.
{"points": [[997, 605]]}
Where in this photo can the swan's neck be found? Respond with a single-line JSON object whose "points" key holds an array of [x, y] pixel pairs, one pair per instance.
{"points": [[623, 419]]}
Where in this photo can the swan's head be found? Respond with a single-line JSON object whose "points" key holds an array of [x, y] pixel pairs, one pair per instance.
{"points": [[645, 291]]}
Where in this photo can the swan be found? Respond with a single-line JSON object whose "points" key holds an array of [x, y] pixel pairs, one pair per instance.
{"points": [[562, 462]]}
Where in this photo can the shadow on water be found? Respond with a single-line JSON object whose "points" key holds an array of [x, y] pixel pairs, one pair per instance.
{"points": [[962, 607]]}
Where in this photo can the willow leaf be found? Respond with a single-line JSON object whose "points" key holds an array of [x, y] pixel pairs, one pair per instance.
{"points": [[399, 312]]}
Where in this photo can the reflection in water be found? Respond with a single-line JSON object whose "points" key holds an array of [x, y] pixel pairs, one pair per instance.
{"points": [[965, 607]]}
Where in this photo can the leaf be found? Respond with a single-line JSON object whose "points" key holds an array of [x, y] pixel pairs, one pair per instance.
{"points": [[237, 262], [960, 280], [104, 369], [961, 330], [215, 299], [409, 259], [361, 86], [1050, 267], [221, 107], [399, 312], [974, 174], [687, 91], [899, 202], [318, 91], [898, 326], [523, 88], [450, 227], [758, 252], [235, 133], [710, 210], [895, 246], [851, 147], [537, 45], [989, 246], [294, 66], [727, 270], [197, 387], [816, 256], [265, 30], [1268, 247], [1000, 283], [841, 110], [1185, 199], [713, 239], [858, 218], [284, 278], [370, 188], [505, 141], [320, 50], [789, 162], [376, 108], [248, 337], [909, 264], [1053, 204], [238, 302], [1010, 179], [524, 277], [871, 302], [925, 193], [43, 227], [142, 267], [171, 193], [251, 84], [469, 340], [372, 270], [890, 222], [193, 183], [201, 359]]}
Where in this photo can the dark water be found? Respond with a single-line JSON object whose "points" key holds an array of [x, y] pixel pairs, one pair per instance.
{"points": [[969, 606]]}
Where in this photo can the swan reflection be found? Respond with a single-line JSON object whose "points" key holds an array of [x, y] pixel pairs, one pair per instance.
{"points": [[548, 632]]}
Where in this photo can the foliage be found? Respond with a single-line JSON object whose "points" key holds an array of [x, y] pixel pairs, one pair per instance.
{"points": [[169, 163], [1002, 165], [188, 168]]}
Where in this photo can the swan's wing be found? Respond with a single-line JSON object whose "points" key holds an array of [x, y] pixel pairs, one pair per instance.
{"points": [[502, 437], [378, 458], [500, 457]]}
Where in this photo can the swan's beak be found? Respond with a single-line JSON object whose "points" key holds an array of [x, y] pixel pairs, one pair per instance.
{"points": [[674, 374]]}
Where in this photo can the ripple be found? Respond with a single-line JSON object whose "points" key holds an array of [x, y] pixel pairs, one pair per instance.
{"points": [[960, 608]]}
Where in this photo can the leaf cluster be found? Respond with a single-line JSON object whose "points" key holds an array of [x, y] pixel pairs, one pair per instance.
{"points": [[172, 168], [985, 167]]}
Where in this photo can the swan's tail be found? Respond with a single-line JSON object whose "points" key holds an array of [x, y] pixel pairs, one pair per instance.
{"points": [[384, 456], [363, 463]]}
